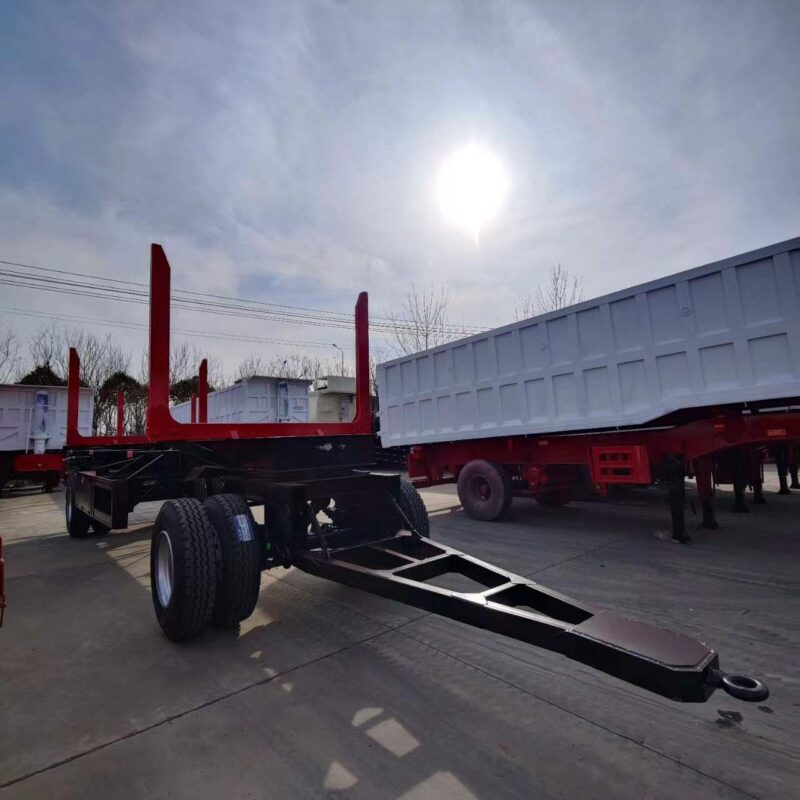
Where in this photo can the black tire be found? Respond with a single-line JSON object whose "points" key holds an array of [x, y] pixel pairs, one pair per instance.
{"points": [[78, 523], [184, 547], [413, 507], [239, 570], [554, 498], [484, 489]]}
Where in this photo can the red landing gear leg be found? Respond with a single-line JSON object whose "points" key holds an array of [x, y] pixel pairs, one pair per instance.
{"points": [[702, 471]]}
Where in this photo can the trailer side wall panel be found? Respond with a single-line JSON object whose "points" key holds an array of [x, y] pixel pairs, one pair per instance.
{"points": [[727, 332]]}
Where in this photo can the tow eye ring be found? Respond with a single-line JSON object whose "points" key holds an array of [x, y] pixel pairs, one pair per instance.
{"points": [[741, 687]]}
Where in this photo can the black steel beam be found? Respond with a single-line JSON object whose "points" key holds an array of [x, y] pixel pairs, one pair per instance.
{"points": [[401, 568]]}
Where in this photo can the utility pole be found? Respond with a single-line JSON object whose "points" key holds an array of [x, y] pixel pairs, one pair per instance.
{"points": [[342, 352]]}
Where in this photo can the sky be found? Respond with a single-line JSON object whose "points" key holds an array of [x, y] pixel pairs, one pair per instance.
{"points": [[287, 151]]}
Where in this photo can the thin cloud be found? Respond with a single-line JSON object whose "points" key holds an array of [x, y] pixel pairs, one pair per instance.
{"points": [[290, 148]]}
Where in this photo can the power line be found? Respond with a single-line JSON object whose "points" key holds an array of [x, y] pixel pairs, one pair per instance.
{"points": [[116, 294], [142, 298], [336, 319], [182, 332], [175, 289]]}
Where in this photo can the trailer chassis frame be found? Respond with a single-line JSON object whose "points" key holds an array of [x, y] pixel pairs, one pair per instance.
{"points": [[300, 470]]}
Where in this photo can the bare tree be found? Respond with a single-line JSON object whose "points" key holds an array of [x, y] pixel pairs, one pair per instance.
{"points": [[290, 366], [135, 404], [184, 364], [424, 322], [561, 289], [100, 357], [250, 366], [216, 372], [184, 361], [136, 410], [524, 308], [44, 348], [9, 352], [334, 366], [375, 357]]}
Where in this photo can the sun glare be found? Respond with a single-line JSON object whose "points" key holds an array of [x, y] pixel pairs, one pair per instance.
{"points": [[470, 188]]}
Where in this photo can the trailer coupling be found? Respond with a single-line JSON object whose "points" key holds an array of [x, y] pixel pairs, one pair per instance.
{"points": [[405, 567]]}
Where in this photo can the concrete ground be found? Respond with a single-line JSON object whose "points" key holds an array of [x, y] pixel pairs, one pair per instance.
{"points": [[327, 691]]}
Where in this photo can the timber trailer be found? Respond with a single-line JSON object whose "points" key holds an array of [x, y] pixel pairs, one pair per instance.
{"points": [[207, 551]]}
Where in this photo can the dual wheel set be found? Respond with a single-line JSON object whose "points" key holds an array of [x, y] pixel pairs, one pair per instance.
{"points": [[205, 561], [205, 564], [486, 489]]}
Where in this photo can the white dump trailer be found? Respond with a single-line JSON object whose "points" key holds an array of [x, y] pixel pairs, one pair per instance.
{"points": [[727, 332], [33, 428], [256, 399]]}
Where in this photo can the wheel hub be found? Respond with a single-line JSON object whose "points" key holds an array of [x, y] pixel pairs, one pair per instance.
{"points": [[164, 569], [480, 488]]}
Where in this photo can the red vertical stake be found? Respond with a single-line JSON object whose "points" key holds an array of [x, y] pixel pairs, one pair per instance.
{"points": [[120, 413], [363, 418], [158, 414], [202, 388], [73, 397]]}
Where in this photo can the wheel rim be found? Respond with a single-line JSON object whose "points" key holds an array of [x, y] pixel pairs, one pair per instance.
{"points": [[479, 489], [164, 569]]}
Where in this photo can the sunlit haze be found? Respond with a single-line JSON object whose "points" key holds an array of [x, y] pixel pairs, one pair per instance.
{"points": [[471, 186], [298, 153]]}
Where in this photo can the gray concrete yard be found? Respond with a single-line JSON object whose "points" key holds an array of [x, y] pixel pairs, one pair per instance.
{"points": [[327, 691]]}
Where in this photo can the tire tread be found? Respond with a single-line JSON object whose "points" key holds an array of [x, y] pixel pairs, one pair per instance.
{"points": [[197, 585], [414, 507], [239, 573]]}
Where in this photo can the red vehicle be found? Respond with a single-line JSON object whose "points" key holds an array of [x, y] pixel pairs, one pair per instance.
{"points": [[693, 374], [719, 446], [33, 423], [326, 513]]}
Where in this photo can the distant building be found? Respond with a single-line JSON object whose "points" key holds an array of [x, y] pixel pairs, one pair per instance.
{"points": [[332, 399]]}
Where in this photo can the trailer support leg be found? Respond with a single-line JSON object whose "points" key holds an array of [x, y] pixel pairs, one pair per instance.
{"points": [[673, 466], [702, 471], [756, 478], [739, 481], [794, 459], [782, 464]]}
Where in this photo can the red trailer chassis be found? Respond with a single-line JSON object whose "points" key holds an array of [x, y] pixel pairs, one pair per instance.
{"points": [[725, 445], [207, 551], [48, 467]]}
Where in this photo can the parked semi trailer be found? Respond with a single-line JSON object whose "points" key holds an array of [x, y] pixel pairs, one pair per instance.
{"points": [[680, 376], [326, 513], [33, 426]]}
